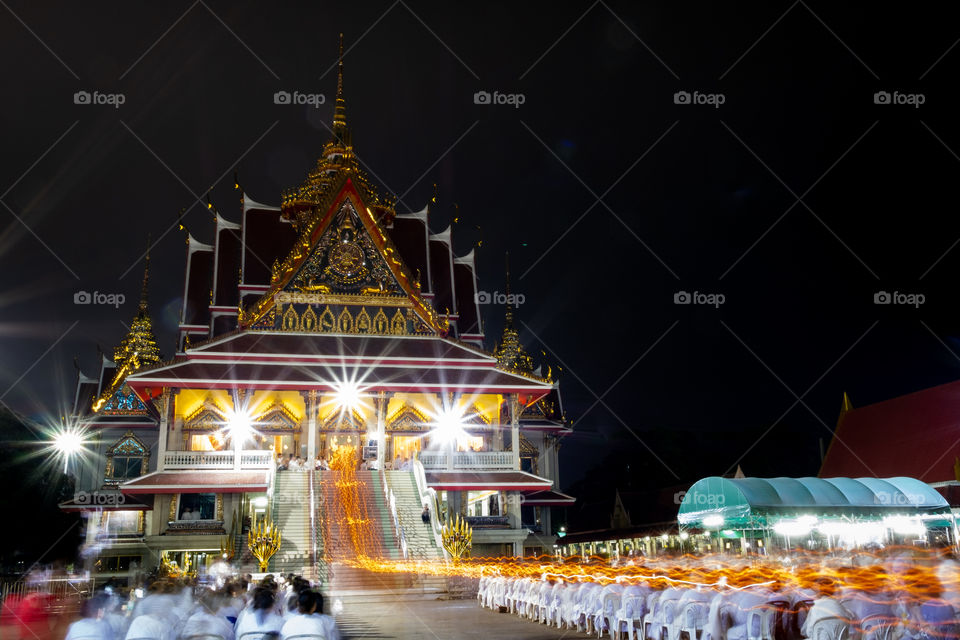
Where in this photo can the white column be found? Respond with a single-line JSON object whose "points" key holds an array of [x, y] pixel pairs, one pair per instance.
{"points": [[515, 429], [165, 409], [380, 404], [238, 404], [310, 403]]}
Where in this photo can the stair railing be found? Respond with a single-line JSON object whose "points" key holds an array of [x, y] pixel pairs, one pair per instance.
{"points": [[391, 500], [428, 497], [314, 570]]}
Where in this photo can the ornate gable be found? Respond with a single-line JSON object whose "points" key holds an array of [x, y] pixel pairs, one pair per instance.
{"points": [[345, 276], [207, 417], [344, 421], [276, 417], [408, 418], [123, 402]]}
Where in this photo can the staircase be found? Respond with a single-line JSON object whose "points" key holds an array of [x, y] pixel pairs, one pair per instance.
{"points": [[350, 583], [291, 512], [421, 545]]}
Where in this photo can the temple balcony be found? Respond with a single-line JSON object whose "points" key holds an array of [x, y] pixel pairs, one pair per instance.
{"points": [[468, 460], [242, 459]]}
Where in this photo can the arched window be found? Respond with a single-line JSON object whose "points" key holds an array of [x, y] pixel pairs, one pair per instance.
{"points": [[127, 458]]}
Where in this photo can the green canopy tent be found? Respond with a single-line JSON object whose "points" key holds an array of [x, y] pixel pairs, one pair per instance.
{"points": [[827, 506]]}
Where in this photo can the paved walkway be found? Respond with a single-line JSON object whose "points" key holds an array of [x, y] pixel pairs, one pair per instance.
{"points": [[439, 620]]}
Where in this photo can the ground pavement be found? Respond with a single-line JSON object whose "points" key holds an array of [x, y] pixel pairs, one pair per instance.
{"points": [[439, 620]]}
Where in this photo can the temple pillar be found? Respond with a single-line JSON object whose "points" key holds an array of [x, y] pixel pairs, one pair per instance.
{"points": [[239, 407], [514, 404], [380, 406], [165, 409], [513, 509], [310, 403]]}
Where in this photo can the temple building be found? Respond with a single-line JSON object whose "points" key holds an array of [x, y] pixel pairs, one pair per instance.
{"points": [[329, 320]]}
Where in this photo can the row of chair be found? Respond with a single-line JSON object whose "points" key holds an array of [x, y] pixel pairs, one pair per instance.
{"points": [[645, 613]]}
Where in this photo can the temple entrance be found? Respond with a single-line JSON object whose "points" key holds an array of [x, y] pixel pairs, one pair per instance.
{"points": [[331, 441], [403, 447]]}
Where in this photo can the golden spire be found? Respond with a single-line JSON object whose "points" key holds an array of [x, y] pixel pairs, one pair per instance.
{"points": [[340, 132], [142, 310], [139, 347], [508, 320], [510, 353], [846, 405]]}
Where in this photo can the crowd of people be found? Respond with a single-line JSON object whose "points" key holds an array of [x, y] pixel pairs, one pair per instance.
{"points": [[299, 463], [273, 608]]}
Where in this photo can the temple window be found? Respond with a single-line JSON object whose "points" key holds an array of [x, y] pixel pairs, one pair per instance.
{"points": [[197, 506], [483, 503], [123, 523], [214, 441], [470, 443], [127, 458]]}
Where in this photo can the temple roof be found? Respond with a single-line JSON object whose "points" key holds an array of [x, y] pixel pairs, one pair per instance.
{"points": [[206, 481], [915, 435], [267, 374], [313, 347], [478, 480]]}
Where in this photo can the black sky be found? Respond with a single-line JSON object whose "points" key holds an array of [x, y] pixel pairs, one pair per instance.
{"points": [[694, 198]]}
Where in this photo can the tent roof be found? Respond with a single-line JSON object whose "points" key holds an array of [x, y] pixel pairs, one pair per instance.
{"points": [[733, 498]]}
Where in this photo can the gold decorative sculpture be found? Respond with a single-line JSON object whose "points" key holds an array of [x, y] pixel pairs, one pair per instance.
{"points": [[457, 538], [228, 548], [263, 542]]}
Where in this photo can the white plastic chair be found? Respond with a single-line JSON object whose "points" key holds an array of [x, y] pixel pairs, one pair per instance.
{"points": [[692, 620], [630, 613], [671, 619], [607, 617], [878, 627], [482, 588], [653, 620], [830, 629], [259, 635]]}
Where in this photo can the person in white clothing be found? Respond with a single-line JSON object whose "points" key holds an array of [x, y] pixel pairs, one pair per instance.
{"points": [[151, 626], [92, 625], [261, 618], [310, 620], [205, 623]]}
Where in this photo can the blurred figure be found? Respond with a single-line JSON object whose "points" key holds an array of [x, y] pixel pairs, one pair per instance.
{"points": [[261, 616], [203, 622], [92, 625]]}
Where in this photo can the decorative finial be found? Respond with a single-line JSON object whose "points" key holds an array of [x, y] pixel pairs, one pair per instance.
{"points": [[508, 321], [340, 108], [146, 279]]}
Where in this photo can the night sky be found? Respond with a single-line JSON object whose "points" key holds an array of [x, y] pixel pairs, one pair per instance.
{"points": [[798, 198]]}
